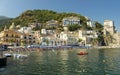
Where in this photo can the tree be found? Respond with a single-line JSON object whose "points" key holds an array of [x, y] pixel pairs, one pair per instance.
{"points": [[79, 40], [74, 27], [98, 27]]}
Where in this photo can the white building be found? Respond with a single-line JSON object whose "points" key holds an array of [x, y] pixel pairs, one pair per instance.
{"points": [[90, 22], [51, 41], [47, 32], [25, 30], [35, 24], [109, 27], [71, 21], [87, 37], [52, 23], [43, 31], [70, 38]]}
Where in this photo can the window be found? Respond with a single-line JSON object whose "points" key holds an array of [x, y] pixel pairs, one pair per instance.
{"points": [[25, 37], [6, 35], [12, 35]]}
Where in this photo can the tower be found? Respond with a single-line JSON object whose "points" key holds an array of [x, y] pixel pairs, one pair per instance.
{"points": [[109, 27]]}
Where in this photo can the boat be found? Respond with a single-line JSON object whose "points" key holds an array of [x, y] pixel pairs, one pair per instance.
{"points": [[82, 53], [7, 55], [20, 56], [3, 62]]}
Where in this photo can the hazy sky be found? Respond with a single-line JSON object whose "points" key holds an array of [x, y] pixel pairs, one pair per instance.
{"points": [[97, 10]]}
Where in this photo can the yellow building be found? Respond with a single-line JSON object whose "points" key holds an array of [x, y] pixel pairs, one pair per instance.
{"points": [[10, 36]]}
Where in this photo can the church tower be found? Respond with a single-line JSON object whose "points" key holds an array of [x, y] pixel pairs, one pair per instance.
{"points": [[12, 27]]}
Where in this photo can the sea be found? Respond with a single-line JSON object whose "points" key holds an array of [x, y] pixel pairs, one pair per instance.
{"points": [[65, 62]]}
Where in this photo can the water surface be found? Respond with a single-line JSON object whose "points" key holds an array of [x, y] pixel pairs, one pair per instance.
{"points": [[66, 62]]}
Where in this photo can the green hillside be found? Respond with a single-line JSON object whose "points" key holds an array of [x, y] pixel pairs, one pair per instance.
{"points": [[42, 16], [4, 21], [3, 17]]}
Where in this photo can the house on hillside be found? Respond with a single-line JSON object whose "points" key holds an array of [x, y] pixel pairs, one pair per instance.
{"points": [[86, 37], [52, 23]]}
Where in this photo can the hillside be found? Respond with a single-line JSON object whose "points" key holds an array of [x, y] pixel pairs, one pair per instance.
{"points": [[42, 16], [3, 17], [4, 21]]}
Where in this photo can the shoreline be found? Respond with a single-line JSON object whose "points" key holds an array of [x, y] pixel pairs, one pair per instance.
{"points": [[104, 47], [20, 49]]}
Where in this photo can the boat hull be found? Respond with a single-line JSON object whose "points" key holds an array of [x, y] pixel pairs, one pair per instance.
{"points": [[82, 53]]}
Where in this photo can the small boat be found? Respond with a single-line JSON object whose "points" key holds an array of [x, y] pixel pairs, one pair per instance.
{"points": [[82, 53], [7, 55], [20, 56]]}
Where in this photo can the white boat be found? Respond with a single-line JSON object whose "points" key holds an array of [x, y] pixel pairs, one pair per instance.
{"points": [[7, 55], [20, 56]]}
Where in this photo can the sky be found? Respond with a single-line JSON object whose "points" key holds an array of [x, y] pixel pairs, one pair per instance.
{"points": [[97, 10]]}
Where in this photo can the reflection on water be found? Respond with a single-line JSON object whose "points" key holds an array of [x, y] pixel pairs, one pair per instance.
{"points": [[66, 62]]}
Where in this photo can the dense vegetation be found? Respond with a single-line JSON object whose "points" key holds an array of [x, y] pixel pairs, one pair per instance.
{"points": [[42, 16], [4, 21]]}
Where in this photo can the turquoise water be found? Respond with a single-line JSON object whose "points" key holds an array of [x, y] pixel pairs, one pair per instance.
{"points": [[66, 62]]}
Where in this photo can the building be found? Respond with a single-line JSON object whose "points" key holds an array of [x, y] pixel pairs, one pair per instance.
{"points": [[35, 24], [69, 38], [52, 23], [27, 39], [90, 22], [47, 32], [71, 21], [36, 35], [51, 40], [25, 30], [87, 36], [109, 30], [10, 36], [109, 27]]}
